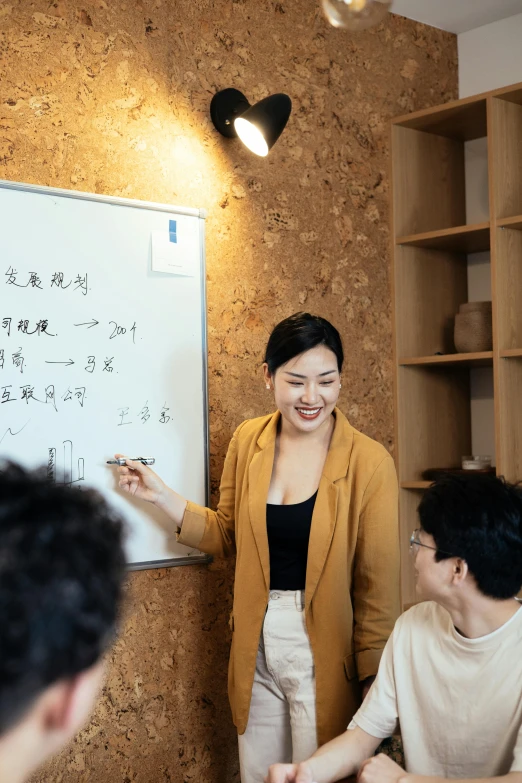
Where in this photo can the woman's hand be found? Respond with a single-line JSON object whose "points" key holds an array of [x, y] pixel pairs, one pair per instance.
{"points": [[141, 482]]}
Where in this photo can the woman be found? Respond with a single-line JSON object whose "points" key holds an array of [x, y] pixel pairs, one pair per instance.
{"points": [[308, 505]]}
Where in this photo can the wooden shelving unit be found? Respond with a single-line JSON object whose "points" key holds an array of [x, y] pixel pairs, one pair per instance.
{"points": [[431, 240]]}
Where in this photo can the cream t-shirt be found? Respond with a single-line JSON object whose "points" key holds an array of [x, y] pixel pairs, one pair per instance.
{"points": [[458, 700]]}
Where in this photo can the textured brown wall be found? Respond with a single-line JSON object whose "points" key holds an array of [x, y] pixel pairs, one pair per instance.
{"points": [[112, 97]]}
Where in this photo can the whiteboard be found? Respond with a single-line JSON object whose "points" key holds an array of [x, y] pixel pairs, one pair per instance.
{"points": [[101, 354]]}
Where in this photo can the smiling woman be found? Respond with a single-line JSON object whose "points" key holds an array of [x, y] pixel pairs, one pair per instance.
{"points": [[308, 506]]}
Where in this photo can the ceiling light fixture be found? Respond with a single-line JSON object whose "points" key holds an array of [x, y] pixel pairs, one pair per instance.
{"points": [[355, 14]]}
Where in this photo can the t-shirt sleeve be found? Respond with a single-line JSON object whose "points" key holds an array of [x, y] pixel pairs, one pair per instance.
{"points": [[517, 753], [377, 715]]}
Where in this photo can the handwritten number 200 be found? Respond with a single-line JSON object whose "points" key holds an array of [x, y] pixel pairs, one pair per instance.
{"points": [[117, 330]]}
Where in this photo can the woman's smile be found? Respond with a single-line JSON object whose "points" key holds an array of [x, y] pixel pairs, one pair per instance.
{"points": [[309, 413]]}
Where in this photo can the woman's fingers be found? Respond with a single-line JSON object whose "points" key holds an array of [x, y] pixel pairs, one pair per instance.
{"points": [[129, 479], [123, 470], [138, 479], [131, 466], [139, 467]]}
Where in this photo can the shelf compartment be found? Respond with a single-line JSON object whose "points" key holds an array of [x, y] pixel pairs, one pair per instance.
{"points": [[428, 182], [430, 286], [462, 239], [434, 418], [483, 359], [429, 167]]}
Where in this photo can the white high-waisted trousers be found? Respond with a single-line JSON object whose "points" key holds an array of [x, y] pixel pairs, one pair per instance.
{"points": [[281, 723]]}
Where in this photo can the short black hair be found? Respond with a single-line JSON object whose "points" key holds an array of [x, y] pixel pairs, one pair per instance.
{"points": [[61, 571], [299, 333], [479, 519]]}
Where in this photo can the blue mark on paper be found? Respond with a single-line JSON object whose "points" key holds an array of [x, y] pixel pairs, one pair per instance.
{"points": [[172, 231]]}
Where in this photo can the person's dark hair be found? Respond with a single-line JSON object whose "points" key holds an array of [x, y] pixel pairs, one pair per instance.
{"points": [[479, 519], [61, 571], [299, 333]]}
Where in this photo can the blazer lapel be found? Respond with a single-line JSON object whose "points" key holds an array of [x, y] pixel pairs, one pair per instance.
{"points": [[259, 475], [324, 517], [323, 526]]}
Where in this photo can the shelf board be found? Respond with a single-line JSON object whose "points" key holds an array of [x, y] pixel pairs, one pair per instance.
{"points": [[483, 359], [460, 239], [510, 222], [511, 353], [464, 119], [415, 484]]}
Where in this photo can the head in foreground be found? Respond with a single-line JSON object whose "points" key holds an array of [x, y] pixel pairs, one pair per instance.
{"points": [[61, 570]]}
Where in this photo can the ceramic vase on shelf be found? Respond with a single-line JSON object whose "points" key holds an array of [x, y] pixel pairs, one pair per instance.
{"points": [[473, 328]]}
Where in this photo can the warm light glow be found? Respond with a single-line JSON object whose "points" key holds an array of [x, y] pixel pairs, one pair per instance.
{"points": [[251, 137], [355, 14]]}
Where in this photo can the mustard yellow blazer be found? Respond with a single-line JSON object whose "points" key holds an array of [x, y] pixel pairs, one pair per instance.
{"points": [[352, 577]]}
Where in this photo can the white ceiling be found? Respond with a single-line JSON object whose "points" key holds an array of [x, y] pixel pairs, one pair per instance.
{"points": [[457, 16]]}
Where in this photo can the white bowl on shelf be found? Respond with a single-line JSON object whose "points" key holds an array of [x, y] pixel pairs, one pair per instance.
{"points": [[476, 462]]}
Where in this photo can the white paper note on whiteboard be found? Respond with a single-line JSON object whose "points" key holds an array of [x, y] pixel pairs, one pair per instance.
{"points": [[172, 249]]}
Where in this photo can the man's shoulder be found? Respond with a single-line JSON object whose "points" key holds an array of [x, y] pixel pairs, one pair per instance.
{"points": [[423, 618]]}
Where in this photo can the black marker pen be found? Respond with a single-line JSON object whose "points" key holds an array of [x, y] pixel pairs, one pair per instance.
{"points": [[123, 460]]}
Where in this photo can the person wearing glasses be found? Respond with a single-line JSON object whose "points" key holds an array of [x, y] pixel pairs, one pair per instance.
{"points": [[451, 672]]}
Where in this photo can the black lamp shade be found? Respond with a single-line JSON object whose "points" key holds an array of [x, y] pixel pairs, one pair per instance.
{"points": [[261, 124], [270, 116]]}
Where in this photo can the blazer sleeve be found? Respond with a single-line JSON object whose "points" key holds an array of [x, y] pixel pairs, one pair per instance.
{"points": [[376, 580], [211, 531]]}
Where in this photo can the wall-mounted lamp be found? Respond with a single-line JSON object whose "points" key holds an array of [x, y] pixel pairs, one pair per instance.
{"points": [[258, 126]]}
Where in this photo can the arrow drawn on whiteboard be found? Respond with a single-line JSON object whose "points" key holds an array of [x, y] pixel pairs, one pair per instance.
{"points": [[67, 364], [9, 431], [89, 324]]}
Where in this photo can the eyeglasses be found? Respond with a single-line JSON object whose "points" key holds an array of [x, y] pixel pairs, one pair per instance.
{"points": [[415, 544]]}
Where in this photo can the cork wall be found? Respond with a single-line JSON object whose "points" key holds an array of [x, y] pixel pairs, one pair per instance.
{"points": [[112, 97]]}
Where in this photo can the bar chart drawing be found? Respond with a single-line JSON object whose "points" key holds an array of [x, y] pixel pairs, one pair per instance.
{"points": [[65, 475]]}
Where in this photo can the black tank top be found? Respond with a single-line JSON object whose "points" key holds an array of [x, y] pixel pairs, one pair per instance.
{"points": [[288, 529]]}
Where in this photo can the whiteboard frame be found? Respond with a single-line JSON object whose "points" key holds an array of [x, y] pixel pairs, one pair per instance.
{"points": [[157, 207]]}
